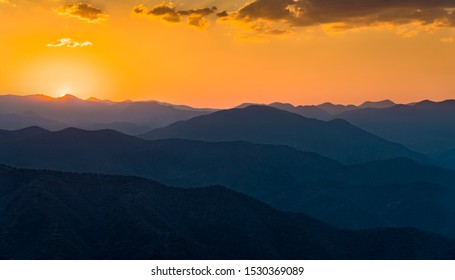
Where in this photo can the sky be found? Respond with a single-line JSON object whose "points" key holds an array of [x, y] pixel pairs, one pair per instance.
{"points": [[220, 53]]}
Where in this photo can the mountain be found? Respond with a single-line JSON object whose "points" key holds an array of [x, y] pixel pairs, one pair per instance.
{"points": [[324, 112], [336, 109], [13, 121], [378, 104], [306, 111], [182, 162], [336, 139], [350, 196], [426, 127], [69, 111], [53, 215]]}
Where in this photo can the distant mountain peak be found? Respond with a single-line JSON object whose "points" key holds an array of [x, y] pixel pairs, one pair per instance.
{"points": [[71, 130], [335, 109], [94, 99], [377, 104], [281, 103], [333, 104], [258, 108], [27, 132], [245, 105], [42, 96], [32, 129], [449, 103], [68, 97]]}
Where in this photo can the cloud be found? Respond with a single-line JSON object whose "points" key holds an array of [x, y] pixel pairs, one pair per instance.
{"points": [[222, 14], [69, 43], [349, 13], [168, 12], [409, 17], [82, 11], [199, 12], [197, 21]]}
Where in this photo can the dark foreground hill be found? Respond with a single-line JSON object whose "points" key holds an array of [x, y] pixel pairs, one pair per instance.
{"points": [[335, 139], [392, 193], [53, 215]]}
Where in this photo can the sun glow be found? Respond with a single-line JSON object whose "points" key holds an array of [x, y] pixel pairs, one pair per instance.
{"points": [[61, 92], [140, 58], [63, 73]]}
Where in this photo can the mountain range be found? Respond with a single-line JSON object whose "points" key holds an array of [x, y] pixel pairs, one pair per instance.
{"points": [[426, 126], [53, 215], [351, 196], [267, 125], [130, 117], [259, 181], [423, 127]]}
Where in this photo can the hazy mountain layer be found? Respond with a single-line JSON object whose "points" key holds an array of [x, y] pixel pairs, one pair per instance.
{"points": [[52, 215], [375, 194], [18, 112], [426, 127], [336, 139]]}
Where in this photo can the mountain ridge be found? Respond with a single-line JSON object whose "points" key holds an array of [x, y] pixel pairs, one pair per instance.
{"points": [[281, 176], [206, 223], [336, 139]]}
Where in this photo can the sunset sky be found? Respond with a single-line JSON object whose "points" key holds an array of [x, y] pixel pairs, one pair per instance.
{"points": [[219, 53]]}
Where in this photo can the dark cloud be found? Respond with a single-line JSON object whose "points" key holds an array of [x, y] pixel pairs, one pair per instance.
{"points": [[82, 11], [201, 12], [222, 14], [350, 12], [167, 12], [281, 16], [197, 20]]}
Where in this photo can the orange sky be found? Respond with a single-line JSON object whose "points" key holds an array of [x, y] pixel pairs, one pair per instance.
{"points": [[267, 51]]}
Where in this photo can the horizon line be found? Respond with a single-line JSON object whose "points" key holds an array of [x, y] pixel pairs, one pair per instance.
{"points": [[96, 99]]}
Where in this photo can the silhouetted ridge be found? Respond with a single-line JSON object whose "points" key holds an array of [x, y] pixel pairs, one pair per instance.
{"points": [[306, 111], [266, 125], [425, 127], [431, 105], [355, 196], [71, 131], [53, 215], [23, 133], [69, 111], [336, 109], [69, 98], [379, 104]]}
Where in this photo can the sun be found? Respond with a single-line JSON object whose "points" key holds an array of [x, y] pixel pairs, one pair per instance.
{"points": [[59, 75], [61, 92]]}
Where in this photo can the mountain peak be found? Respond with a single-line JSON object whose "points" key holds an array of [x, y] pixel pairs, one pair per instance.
{"points": [[34, 129], [28, 131], [378, 104], [42, 96], [97, 100], [245, 105], [427, 104], [279, 105], [68, 97]]}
